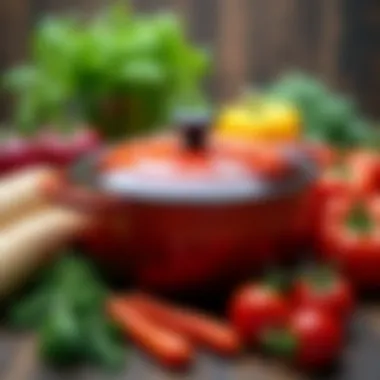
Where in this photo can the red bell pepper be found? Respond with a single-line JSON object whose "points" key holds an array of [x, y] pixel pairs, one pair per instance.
{"points": [[353, 173], [350, 237], [356, 173], [302, 230], [365, 168]]}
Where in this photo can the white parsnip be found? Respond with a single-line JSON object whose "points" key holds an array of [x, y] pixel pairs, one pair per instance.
{"points": [[32, 241], [22, 193]]}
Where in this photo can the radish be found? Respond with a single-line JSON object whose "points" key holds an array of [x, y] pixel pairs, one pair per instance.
{"points": [[16, 153], [55, 148], [61, 149]]}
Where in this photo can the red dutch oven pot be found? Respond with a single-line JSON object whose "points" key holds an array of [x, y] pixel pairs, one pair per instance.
{"points": [[187, 210]]}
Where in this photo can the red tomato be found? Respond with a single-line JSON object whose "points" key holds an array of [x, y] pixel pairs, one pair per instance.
{"points": [[344, 241], [313, 339], [318, 337], [255, 308], [332, 294]]}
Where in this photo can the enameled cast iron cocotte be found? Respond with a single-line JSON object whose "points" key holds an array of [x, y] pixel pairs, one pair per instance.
{"points": [[187, 210]]}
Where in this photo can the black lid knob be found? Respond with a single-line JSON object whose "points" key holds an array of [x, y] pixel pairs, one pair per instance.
{"points": [[194, 127]]}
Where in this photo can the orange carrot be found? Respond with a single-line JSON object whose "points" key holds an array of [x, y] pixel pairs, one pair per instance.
{"points": [[166, 346], [197, 327]]}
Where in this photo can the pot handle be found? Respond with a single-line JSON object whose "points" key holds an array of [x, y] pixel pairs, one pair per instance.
{"points": [[59, 190]]}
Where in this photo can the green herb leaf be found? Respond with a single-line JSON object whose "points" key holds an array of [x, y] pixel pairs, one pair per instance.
{"points": [[280, 343], [359, 220], [92, 62]]}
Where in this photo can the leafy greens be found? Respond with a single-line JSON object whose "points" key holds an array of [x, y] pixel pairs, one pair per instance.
{"points": [[120, 71]]}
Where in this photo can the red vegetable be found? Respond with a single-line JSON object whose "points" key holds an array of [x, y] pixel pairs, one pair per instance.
{"points": [[195, 326], [16, 153], [166, 346], [323, 289], [256, 308], [313, 339], [344, 176], [350, 237], [377, 173], [302, 232], [61, 149], [55, 148], [364, 166], [353, 174]]}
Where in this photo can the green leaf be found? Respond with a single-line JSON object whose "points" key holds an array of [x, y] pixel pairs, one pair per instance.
{"points": [[360, 220], [327, 116], [22, 78], [142, 73], [26, 314], [61, 341], [104, 348], [280, 343], [90, 61]]}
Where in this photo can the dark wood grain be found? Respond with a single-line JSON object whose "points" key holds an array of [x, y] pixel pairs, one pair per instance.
{"points": [[14, 27], [232, 47], [360, 51], [19, 361], [23, 364], [330, 40]]}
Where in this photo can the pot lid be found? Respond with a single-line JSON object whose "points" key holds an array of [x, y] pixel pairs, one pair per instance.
{"points": [[194, 165]]}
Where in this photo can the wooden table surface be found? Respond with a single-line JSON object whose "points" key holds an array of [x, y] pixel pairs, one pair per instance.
{"points": [[360, 361]]}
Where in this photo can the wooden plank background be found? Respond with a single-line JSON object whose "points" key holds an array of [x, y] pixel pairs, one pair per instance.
{"points": [[252, 41]]}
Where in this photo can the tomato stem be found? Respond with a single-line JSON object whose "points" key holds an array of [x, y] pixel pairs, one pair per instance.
{"points": [[321, 278], [278, 280], [280, 343], [359, 219]]}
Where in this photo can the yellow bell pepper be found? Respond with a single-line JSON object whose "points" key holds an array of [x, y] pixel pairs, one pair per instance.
{"points": [[261, 120]]}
